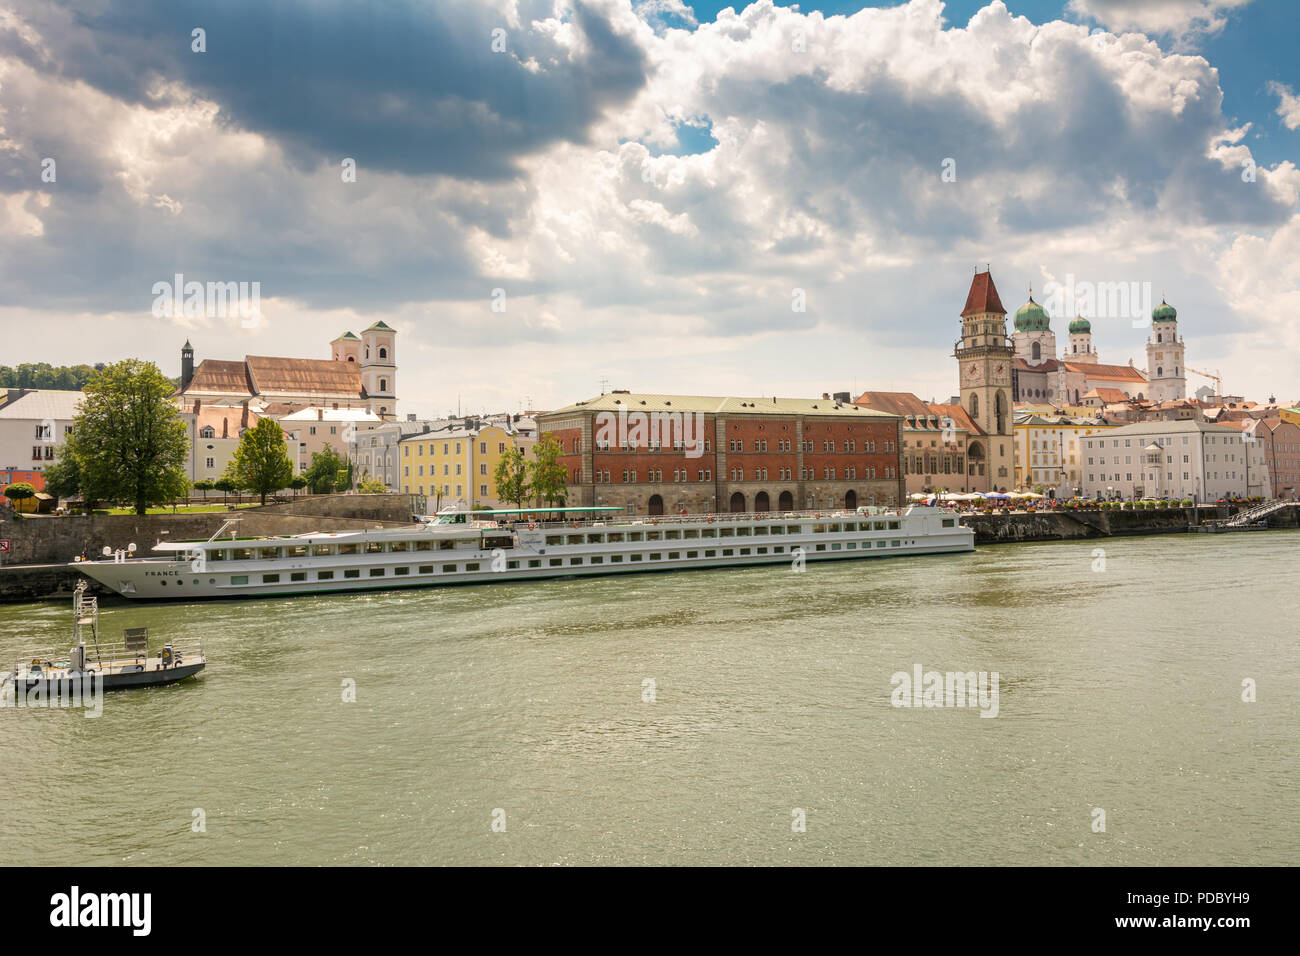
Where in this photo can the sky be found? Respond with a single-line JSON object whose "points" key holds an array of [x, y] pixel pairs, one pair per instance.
{"points": [[551, 197]]}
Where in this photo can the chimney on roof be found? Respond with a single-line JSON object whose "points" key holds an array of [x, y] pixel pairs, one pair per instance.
{"points": [[225, 427]]}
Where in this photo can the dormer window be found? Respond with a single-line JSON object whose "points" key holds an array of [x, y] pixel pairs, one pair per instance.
{"points": [[207, 431]]}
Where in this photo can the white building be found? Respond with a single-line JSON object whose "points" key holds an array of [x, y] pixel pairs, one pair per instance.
{"points": [[214, 432], [316, 427], [375, 452], [1169, 459], [33, 424]]}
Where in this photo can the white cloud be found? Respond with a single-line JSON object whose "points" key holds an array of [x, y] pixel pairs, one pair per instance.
{"points": [[1288, 106], [1184, 20]]}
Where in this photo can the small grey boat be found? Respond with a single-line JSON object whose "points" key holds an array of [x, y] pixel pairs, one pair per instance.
{"points": [[113, 666]]}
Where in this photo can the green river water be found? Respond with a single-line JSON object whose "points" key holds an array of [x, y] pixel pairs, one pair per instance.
{"points": [[1119, 688]]}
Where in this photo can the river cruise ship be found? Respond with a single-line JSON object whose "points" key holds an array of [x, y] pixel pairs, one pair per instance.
{"points": [[459, 547]]}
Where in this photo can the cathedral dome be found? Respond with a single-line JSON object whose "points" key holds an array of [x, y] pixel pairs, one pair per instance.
{"points": [[1164, 312], [1031, 317], [1080, 326]]}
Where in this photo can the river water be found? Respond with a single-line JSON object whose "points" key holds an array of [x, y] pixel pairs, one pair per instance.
{"points": [[1120, 682]]}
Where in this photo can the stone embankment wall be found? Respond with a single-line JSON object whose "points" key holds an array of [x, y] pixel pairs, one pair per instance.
{"points": [[53, 540]]}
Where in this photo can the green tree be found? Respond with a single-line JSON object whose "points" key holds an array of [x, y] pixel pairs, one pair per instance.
{"points": [[128, 438], [512, 477], [204, 485], [323, 473], [63, 478], [298, 483], [372, 486], [225, 486], [260, 463], [19, 491], [547, 478]]}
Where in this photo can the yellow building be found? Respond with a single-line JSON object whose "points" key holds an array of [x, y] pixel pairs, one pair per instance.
{"points": [[1049, 450], [458, 464], [1291, 415]]}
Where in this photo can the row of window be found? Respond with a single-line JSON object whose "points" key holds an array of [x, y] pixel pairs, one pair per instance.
{"points": [[351, 574], [736, 531], [446, 446], [737, 445]]}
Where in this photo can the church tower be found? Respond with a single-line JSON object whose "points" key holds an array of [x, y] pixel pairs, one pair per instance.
{"points": [[346, 348], [1166, 372], [984, 358], [1034, 339], [379, 369], [1081, 349]]}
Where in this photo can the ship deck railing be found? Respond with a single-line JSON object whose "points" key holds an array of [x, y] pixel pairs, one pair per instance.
{"points": [[109, 657], [627, 521]]}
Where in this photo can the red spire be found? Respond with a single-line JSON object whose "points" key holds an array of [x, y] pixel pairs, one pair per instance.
{"points": [[983, 296]]}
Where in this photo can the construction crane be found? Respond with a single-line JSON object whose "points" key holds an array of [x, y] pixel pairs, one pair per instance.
{"points": [[1218, 382]]}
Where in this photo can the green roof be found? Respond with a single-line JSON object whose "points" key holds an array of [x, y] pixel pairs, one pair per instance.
{"points": [[1031, 317], [347, 337], [1164, 312], [379, 327], [1080, 326]]}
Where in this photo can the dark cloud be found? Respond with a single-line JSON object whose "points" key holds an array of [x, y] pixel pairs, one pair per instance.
{"points": [[408, 85]]}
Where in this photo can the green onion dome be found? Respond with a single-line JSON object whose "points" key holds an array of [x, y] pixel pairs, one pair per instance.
{"points": [[1164, 312], [1080, 326], [1031, 317]]}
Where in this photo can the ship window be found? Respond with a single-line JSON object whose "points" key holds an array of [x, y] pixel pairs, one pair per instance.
{"points": [[636, 557], [534, 563], [352, 573], [727, 552], [449, 569], [552, 539], [710, 533], [672, 535], [268, 553], [426, 569], [710, 554], [616, 559], [821, 547], [512, 565], [674, 555], [657, 556], [446, 545], [759, 531], [653, 535], [880, 543], [321, 549], [397, 546], [835, 546], [615, 537], [556, 562], [241, 554], [575, 539], [742, 532], [239, 579], [374, 547], [726, 532], [833, 528], [852, 546], [692, 554], [793, 529], [895, 544], [218, 555], [297, 551], [472, 566], [949, 522], [401, 570], [779, 549], [691, 533], [347, 549], [634, 536], [776, 529], [575, 560], [744, 550], [376, 572], [893, 526], [762, 550], [595, 538], [266, 579], [298, 576], [597, 559], [324, 575]]}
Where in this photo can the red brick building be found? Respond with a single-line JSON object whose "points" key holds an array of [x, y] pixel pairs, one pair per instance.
{"points": [[656, 454]]}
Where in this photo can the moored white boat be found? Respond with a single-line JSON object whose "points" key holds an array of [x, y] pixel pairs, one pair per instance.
{"points": [[459, 547]]}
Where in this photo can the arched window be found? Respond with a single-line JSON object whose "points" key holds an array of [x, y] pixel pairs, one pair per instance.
{"points": [[1000, 412], [1159, 337], [367, 351], [1159, 371], [383, 353], [1036, 352], [974, 406], [351, 359], [383, 384]]}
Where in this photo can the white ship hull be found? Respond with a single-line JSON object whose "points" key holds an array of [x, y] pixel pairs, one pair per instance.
{"points": [[485, 552]]}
